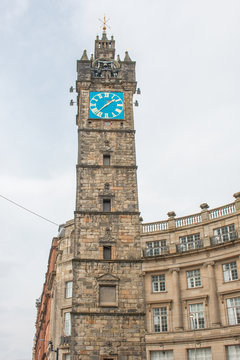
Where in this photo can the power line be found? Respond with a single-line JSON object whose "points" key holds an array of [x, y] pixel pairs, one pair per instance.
{"points": [[32, 212]]}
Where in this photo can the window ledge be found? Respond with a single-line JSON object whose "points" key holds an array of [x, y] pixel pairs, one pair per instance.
{"points": [[195, 287]]}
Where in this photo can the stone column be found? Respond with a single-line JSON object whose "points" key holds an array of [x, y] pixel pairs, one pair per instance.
{"points": [[213, 297], [177, 305]]}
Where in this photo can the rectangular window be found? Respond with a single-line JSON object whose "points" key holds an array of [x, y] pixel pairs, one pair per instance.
{"points": [[200, 354], [230, 271], [67, 357], [233, 309], [107, 295], [107, 252], [196, 316], [160, 319], [190, 242], [67, 324], [223, 234], [233, 352], [158, 247], [68, 289], [158, 283], [161, 355], [106, 159], [193, 278], [106, 205]]}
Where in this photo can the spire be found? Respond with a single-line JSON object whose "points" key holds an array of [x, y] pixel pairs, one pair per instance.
{"points": [[104, 47], [84, 55], [127, 57], [104, 27]]}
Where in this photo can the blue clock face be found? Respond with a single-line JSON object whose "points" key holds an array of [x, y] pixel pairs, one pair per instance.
{"points": [[106, 105]]}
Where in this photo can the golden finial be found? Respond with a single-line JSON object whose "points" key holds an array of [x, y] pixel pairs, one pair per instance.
{"points": [[104, 23]]}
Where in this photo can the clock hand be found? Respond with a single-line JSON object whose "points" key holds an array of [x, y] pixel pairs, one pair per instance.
{"points": [[109, 102]]}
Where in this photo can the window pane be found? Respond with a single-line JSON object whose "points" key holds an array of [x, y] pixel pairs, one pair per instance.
{"points": [[107, 205], [161, 355], [230, 271], [106, 159], [107, 252], [158, 283], [200, 354], [67, 324], [233, 352], [233, 308], [160, 319], [196, 315], [68, 293]]}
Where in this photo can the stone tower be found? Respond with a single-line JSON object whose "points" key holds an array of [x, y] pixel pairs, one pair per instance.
{"points": [[107, 317]]}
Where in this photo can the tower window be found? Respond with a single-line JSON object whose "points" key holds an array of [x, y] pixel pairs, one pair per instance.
{"points": [[68, 289], [67, 324], [106, 159], [107, 252], [106, 205]]}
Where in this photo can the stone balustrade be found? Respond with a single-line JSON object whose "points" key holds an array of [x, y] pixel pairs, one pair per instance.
{"points": [[222, 211], [194, 219], [188, 220], [155, 226]]}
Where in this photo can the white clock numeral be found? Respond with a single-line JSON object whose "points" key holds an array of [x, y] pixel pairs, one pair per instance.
{"points": [[113, 114], [106, 95], [100, 96], [118, 99], [119, 104], [106, 116], [95, 110], [99, 113], [91, 104], [118, 111]]}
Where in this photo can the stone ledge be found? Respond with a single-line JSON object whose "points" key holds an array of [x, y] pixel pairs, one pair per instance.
{"points": [[109, 130], [127, 261], [88, 313], [84, 212], [107, 166]]}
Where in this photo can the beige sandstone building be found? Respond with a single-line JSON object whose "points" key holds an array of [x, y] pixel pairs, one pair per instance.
{"points": [[120, 289]]}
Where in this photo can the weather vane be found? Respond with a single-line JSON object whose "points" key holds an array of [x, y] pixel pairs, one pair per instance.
{"points": [[104, 25]]}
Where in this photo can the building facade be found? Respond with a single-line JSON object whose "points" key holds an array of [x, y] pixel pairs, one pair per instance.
{"points": [[123, 290]]}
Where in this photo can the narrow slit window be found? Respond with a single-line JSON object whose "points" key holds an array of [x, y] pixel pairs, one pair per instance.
{"points": [[106, 205], [107, 252], [106, 159]]}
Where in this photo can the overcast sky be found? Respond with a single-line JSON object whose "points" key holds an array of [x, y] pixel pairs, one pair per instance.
{"points": [[187, 54]]}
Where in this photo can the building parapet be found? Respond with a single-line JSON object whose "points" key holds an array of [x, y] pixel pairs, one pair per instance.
{"points": [[205, 215]]}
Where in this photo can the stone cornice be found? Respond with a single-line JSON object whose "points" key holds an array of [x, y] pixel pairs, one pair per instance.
{"points": [[106, 166], [120, 261], [107, 313], [108, 130], [110, 213]]}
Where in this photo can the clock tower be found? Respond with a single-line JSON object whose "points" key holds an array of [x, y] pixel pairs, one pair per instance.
{"points": [[107, 316]]}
